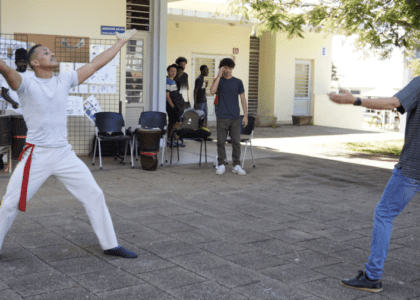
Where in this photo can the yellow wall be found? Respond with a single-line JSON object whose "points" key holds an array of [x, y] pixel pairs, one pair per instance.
{"points": [[327, 113], [267, 75], [289, 50], [62, 17], [71, 18], [201, 38]]}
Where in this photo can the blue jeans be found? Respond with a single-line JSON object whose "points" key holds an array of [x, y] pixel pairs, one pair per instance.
{"points": [[398, 192], [203, 107]]}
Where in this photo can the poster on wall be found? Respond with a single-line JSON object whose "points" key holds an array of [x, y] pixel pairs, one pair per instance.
{"points": [[91, 107], [95, 50], [83, 89], [73, 90], [74, 106], [66, 67]]}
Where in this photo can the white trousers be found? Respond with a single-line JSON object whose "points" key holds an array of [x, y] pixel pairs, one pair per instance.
{"points": [[76, 177]]}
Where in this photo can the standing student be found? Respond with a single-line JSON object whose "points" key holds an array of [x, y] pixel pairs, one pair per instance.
{"points": [[47, 152], [21, 63], [182, 81], [229, 88], [402, 186], [174, 102], [200, 97]]}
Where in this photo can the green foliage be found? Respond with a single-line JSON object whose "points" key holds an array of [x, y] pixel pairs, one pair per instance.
{"points": [[381, 25]]}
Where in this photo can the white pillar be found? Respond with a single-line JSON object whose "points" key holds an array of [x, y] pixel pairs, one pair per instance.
{"points": [[158, 65]]}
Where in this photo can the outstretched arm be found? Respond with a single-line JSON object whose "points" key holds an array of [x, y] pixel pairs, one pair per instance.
{"points": [[12, 76], [381, 103], [105, 57], [5, 95]]}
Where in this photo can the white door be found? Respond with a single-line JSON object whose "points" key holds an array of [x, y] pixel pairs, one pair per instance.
{"points": [[136, 79], [212, 62], [302, 97]]}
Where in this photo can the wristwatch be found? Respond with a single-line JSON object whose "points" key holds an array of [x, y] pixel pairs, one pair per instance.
{"points": [[358, 102]]}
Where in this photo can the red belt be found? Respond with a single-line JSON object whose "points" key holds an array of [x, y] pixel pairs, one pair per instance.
{"points": [[26, 171]]}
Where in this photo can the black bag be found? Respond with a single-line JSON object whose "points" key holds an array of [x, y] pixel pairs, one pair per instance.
{"points": [[192, 120]]}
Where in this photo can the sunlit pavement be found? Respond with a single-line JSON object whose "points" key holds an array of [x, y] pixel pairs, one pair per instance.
{"points": [[290, 229]]}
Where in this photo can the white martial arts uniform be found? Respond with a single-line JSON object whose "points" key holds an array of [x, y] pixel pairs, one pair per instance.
{"points": [[44, 103]]}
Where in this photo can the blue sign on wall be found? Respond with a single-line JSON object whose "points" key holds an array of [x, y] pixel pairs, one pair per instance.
{"points": [[111, 30]]}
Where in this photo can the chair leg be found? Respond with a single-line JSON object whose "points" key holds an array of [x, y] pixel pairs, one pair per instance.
{"points": [[163, 150], [100, 154], [137, 149], [201, 149], [131, 152], [94, 151], [10, 160], [172, 147], [205, 149], [125, 152], [177, 147], [243, 160], [252, 154]]}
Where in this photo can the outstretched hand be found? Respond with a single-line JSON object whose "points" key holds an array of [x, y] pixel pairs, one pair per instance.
{"points": [[126, 36], [344, 98]]}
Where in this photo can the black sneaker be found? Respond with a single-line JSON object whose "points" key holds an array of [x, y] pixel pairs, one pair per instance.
{"points": [[362, 282]]}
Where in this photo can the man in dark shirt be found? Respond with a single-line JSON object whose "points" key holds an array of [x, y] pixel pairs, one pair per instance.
{"points": [[227, 114], [200, 97], [402, 186], [182, 82]]}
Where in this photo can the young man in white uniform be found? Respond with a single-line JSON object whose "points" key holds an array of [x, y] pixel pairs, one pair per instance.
{"points": [[47, 152]]}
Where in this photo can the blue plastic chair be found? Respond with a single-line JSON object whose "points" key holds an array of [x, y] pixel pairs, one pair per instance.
{"points": [[153, 119], [106, 124]]}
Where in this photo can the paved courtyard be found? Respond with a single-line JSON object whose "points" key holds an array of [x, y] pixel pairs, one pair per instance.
{"points": [[289, 229]]}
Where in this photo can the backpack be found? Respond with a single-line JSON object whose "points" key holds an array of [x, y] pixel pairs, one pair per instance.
{"points": [[192, 120]]}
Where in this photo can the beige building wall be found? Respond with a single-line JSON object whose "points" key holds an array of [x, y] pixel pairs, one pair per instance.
{"points": [[188, 38], [328, 113], [290, 50], [62, 17], [70, 18], [267, 75]]}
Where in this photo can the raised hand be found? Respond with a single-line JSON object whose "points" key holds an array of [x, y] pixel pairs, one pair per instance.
{"points": [[126, 36], [344, 98]]}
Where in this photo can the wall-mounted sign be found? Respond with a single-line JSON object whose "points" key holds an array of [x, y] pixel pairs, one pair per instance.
{"points": [[324, 51], [111, 30], [235, 50]]}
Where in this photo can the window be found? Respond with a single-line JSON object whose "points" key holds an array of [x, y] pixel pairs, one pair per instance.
{"points": [[134, 71], [138, 15]]}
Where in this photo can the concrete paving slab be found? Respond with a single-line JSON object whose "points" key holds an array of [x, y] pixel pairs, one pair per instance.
{"points": [[305, 209]]}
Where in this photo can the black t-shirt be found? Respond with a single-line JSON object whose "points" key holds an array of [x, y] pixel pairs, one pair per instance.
{"points": [[182, 84], [200, 85]]}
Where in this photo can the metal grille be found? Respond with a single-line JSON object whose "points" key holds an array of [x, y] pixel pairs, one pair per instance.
{"points": [[73, 50], [138, 14], [134, 96], [8, 45], [302, 81], [254, 61]]}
